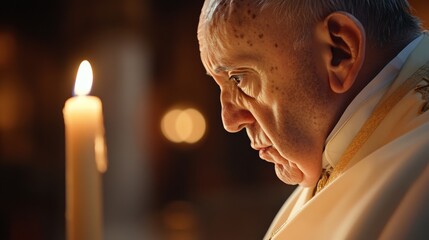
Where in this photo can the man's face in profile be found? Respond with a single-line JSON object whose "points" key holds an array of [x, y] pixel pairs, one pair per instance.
{"points": [[270, 85]]}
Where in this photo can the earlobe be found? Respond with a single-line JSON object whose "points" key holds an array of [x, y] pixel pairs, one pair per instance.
{"points": [[346, 37]]}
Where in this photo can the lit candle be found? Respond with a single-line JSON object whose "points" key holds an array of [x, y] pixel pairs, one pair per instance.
{"points": [[85, 160]]}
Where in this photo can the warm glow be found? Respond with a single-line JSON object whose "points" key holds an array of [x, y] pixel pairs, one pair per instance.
{"points": [[183, 125], [168, 125], [83, 79], [100, 153], [198, 125]]}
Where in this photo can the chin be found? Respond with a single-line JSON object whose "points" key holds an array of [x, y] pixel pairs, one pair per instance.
{"points": [[308, 184], [301, 183], [294, 176], [302, 180], [310, 181]]}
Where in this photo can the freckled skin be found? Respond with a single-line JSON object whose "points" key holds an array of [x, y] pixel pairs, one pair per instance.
{"points": [[281, 100]]}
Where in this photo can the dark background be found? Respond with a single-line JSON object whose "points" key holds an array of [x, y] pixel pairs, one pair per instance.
{"points": [[146, 60]]}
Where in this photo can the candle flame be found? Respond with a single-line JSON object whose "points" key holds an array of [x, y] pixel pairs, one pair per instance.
{"points": [[83, 79]]}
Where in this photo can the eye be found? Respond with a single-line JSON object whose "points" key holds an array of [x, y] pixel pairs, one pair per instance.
{"points": [[244, 81], [236, 79]]}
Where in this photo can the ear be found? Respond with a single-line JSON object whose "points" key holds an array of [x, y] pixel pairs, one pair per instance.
{"points": [[346, 39]]}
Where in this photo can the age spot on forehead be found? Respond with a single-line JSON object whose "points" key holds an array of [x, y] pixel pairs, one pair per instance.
{"points": [[261, 35], [250, 43], [235, 32], [250, 12], [274, 68], [276, 45]]}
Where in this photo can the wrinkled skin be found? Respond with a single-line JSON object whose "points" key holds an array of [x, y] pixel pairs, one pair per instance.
{"points": [[278, 94]]}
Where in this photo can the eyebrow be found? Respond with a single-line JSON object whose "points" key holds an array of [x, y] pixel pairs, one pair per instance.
{"points": [[222, 69], [219, 69], [229, 68]]}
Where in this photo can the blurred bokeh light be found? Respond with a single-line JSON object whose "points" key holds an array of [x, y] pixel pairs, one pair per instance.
{"points": [[186, 125]]}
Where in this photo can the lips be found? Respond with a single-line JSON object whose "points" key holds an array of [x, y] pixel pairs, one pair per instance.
{"points": [[265, 155], [264, 151]]}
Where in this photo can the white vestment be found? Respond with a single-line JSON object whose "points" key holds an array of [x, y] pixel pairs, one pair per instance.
{"points": [[384, 194]]}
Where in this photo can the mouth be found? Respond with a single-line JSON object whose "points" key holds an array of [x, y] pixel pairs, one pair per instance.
{"points": [[264, 152]]}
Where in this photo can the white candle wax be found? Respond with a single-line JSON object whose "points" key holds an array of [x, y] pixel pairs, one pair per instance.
{"points": [[84, 130]]}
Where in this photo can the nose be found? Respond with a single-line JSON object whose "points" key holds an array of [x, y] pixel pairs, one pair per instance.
{"points": [[234, 116]]}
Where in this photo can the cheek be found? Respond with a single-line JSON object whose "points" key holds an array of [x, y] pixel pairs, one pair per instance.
{"points": [[274, 84], [277, 102], [270, 106], [286, 121]]}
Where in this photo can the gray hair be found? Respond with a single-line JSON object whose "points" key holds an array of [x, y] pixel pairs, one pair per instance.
{"points": [[385, 21]]}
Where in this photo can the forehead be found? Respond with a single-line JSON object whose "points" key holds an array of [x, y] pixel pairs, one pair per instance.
{"points": [[238, 31], [220, 19]]}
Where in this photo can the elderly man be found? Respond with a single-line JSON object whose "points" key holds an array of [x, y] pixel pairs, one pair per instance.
{"points": [[335, 94]]}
